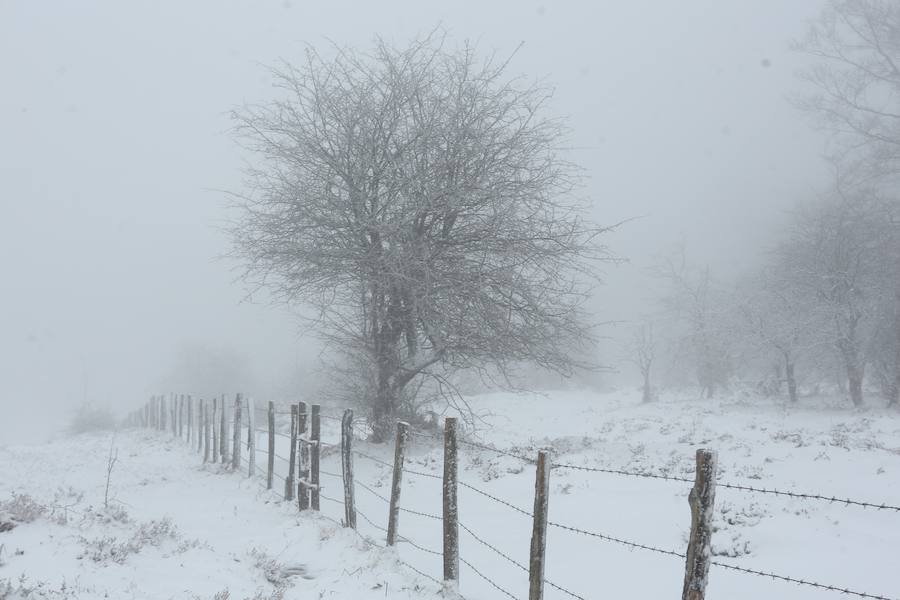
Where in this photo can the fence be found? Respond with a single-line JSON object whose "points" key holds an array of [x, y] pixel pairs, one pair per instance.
{"points": [[209, 424]]}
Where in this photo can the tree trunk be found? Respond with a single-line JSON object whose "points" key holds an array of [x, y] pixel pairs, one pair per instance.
{"points": [[647, 395], [855, 383], [791, 379]]}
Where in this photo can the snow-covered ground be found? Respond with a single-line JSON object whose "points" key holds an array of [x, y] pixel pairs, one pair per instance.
{"points": [[191, 531]]}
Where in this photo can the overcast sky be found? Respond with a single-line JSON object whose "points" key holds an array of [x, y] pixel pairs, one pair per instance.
{"points": [[114, 149]]}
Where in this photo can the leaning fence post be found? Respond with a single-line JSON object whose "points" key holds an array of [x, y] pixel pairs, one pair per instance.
{"points": [[702, 500], [315, 455], [270, 473], [236, 444], [303, 463], [223, 432], [539, 530], [251, 437], [347, 468], [451, 510], [292, 460], [397, 481]]}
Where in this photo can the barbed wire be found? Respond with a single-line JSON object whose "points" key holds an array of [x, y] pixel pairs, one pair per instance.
{"points": [[495, 499], [493, 583], [790, 494], [493, 548], [371, 491], [610, 538], [387, 464], [798, 581]]}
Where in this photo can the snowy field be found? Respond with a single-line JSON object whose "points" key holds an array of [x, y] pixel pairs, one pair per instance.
{"points": [[179, 529]]}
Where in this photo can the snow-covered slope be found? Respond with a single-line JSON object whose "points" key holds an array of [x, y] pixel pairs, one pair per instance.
{"points": [[233, 535]]}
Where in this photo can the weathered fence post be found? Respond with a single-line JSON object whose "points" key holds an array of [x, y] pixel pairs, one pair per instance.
{"points": [[539, 530], [451, 510], [214, 426], [236, 445], [181, 416], [292, 460], [397, 481], [199, 430], [315, 455], [347, 468], [223, 431], [303, 462], [270, 473], [204, 424], [251, 437], [702, 500]]}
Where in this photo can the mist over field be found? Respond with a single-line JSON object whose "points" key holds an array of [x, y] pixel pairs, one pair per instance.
{"points": [[117, 154]]}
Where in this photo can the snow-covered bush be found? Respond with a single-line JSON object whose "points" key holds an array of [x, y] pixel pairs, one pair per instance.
{"points": [[152, 533], [20, 508]]}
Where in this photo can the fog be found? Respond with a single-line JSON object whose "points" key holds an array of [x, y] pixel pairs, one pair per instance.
{"points": [[116, 155]]}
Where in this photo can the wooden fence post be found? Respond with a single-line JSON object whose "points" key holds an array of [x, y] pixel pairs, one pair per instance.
{"points": [[451, 509], [303, 462], [204, 424], [270, 473], [214, 426], [223, 431], [251, 437], [702, 501], [199, 430], [292, 460], [236, 445], [397, 481], [347, 468], [539, 530], [315, 456]]}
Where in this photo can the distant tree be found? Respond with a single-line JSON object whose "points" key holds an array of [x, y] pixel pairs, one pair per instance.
{"points": [[419, 200], [641, 352], [693, 301], [855, 80], [780, 318], [833, 254]]}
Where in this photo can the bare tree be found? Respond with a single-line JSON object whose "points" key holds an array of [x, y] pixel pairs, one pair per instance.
{"points": [[641, 350], [418, 199], [695, 303], [856, 80]]}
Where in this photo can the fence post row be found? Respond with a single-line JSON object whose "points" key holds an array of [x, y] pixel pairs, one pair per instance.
{"points": [[236, 443], [347, 468], [451, 509], [303, 462], [251, 437], [397, 481], [315, 456], [270, 473], [701, 499], [292, 458]]}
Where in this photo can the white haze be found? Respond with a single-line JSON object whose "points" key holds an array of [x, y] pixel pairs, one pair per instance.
{"points": [[114, 149]]}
